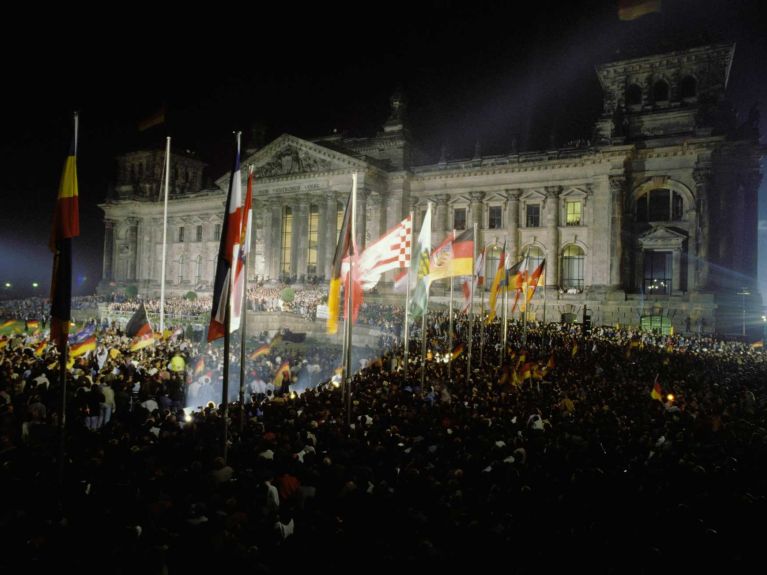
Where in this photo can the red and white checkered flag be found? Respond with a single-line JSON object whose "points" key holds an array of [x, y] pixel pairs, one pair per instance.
{"points": [[390, 252]]}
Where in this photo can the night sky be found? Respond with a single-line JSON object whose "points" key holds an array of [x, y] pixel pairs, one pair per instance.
{"points": [[471, 72]]}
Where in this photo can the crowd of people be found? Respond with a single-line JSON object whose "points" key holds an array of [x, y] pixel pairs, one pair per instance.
{"points": [[573, 465]]}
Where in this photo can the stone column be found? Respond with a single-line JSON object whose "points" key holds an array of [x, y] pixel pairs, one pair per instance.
{"points": [[552, 235], [692, 242], [301, 235], [362, 216], [275, 249], [617, 194], [322, 235], [512, 220], [441, 220], [475, 214], [702, 177], [330, 231], [106, 269], [676, 264]]}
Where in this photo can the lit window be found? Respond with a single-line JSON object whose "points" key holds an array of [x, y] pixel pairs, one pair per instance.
{"points": [[314, 229], [574, 212], [287, 240], [657, 273]]}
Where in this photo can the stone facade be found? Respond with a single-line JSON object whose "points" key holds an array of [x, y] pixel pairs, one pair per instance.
{"points": [[654, 217]]}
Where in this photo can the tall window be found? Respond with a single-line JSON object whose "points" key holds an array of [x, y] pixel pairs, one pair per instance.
{"points": [[572, 268], [287, 240], [661, 205], [495, 218], [657, 273], [634, 95], [660, 91], [314, 229], [217, 232], [533, 212], [181, 234], [574, 212], [199, 234], [459, 219], [493, 256], [689, 87]]}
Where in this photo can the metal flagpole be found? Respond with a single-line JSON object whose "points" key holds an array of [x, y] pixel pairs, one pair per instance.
{"points": [[227, 324], [407, 300], [482, 319], [164, 235], [350, 305], [247, 213], [474, 281], [505, 314], [450, 322]]}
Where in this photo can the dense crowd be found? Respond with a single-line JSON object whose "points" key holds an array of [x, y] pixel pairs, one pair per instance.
{"points": [[574, 465]]}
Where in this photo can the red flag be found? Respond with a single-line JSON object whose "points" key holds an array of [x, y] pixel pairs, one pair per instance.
{"points": [[66, 225], [240, 281], [533, 282], [227, 251]]}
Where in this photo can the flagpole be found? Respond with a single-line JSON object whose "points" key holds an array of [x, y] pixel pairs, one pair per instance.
{"points": [[350, 304], [450, 322], [423, 340], [247, 214], [474, 281], [227, 324], [482, 318], [164, 235], [63, 351], [505, 314], [407, 302]]}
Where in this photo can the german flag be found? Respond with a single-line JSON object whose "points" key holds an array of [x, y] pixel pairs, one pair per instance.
{"points": [[534, 279], [495, 288], [40, 349], [33, 325], [83, 347], [656, 392], [343, 248], [457, 352], [453, 257], [263, 350], [138, 325], [283, 371], [66, 225], [142, 341]]}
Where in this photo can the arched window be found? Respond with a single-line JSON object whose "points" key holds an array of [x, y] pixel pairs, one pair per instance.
{"points": [[572, 268], [492, 257], [660, 91], [535, 256], [660, 205], [689, 87], [634, 95]]}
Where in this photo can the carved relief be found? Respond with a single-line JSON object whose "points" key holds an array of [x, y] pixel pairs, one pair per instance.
{"points": [[292, 161]]}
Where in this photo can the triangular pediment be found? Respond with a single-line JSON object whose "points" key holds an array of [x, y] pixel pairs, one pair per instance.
{"points": [[288, 156], [662, 237]]}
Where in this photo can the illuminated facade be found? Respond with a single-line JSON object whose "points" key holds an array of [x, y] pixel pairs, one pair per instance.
{"points": [[653, 221]]}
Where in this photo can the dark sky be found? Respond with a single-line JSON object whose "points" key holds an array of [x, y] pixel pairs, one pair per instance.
{"points": [[470, 71]]}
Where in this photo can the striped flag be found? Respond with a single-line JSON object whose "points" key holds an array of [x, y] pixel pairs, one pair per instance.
{"points": [[495, 288], [227, 252], [263, 350], [242, 256], [282, 372], [534, 279], [390, 252], [656, 392], [457, 352], [66, 225], [199, 367], [343, 248], [420, 271], [84, 347]]}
